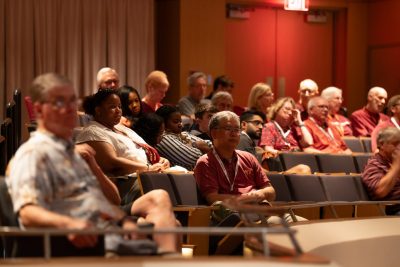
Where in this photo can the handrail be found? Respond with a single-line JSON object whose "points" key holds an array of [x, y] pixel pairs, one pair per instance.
{"points": [[48, 232]]}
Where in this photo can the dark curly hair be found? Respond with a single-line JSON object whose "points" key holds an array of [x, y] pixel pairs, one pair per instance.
{"points": [[91, 102], [148, 127]]}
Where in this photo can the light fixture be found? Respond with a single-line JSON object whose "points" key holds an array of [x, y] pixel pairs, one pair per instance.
{"points": [[298, 5]]}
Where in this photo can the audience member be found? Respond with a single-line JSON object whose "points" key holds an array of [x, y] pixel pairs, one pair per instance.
{"points": [[202, 117], [307, 89], [326, 138], [224, 171], [366, 119], [107, 78], [131, 105], [151, 128], [52, 186], [119, 150], [197, 83], [180, 148], [221, 84], [393, 108], [335, 100], [251, 125], [381, 175], [286, 130], [222, 101], [156, 87], [261, 97]]}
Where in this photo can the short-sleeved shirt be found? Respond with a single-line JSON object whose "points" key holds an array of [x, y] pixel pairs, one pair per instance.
{"points": [[381, 125], [376, 168], [126, 145], [47, 172], [325, 139], [363, 121], [211, 178], [342, 124], [271, 136]]}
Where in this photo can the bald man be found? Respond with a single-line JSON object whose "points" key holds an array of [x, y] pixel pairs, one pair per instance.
{"points": [[307, 89], [366, 119], [157, 85]]}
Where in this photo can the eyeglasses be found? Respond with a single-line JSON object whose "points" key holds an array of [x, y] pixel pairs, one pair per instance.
{"points": [[61, 103], [322, 107], [111, 81], [256, 122], [230, 129]]}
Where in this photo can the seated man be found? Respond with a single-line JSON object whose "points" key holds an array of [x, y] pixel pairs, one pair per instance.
{"points": [[251, 123], [366, 119], [225, 171], [107, 78], [197, 83], [222, 101], [307, 90], [52, 186], [326, 138], [381, 175]]}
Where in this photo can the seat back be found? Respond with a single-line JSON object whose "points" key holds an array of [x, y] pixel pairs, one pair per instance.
{"points": [[366, 141], [153, 180], [186, 190], [305, 187], [280, 185], [353, 143], [340, 187], [361, 161], [18, 109], [3, 160], [362, 191], [11, 112], [291, 159], [29, 108], [334, 163], [6, 131]]}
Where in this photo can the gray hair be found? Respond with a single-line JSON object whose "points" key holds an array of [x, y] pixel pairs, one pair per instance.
{"points": [[328, 92], [191, 80], [42, 84], [387, 135], [221, 95], [223, 115], [312, 101], [103, 71]]}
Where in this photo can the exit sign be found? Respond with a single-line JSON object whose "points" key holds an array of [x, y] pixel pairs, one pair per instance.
{"points": [[299, 5]]}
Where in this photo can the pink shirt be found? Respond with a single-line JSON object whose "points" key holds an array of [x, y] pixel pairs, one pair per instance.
{"points": [[342, 124], [271, 136], [211, 178], [381, 125], [364, 121]]}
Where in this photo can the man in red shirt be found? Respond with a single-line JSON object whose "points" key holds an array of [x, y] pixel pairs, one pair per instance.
{"points": [[224, 171], [307, 90], [381, 175], [365, 120], [326, 138]]}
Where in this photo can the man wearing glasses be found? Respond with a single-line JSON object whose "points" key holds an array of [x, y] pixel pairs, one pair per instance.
{"points": [[225, 171], [251, 123], [326, 137]]}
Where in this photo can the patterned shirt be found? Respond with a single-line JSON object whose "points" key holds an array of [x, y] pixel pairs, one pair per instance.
{"points": [[126, 145], [47, 172], [376, 168], [211, 178], [179, 149], [272, 136], [326, 139], [364, 121]]}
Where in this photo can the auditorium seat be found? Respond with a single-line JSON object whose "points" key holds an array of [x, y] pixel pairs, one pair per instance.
{"points": [[361, 159], [366, 141], [3, 160], [353, 143], [336, 163], [280, 185], [6, 131], [291, 159]]}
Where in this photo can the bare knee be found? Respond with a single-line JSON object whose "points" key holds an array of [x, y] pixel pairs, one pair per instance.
{"points": [[160, 197]]}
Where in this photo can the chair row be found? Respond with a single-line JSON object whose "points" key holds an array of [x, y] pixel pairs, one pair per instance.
{"points": [[358, 144], [10, 130], [333, 190], [324, 163]]}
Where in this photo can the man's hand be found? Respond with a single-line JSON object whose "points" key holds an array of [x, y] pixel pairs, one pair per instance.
{"points": [[81, 241]]}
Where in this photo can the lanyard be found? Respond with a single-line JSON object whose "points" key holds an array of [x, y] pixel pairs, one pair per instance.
{"points": [[225, 171], [395, 122], [328, 132], [283, 134]]}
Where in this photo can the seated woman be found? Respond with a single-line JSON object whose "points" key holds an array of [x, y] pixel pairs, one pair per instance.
{"points": [[180, 148], [131, 105], [261, 98], [285, 131], [119, 150]]}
